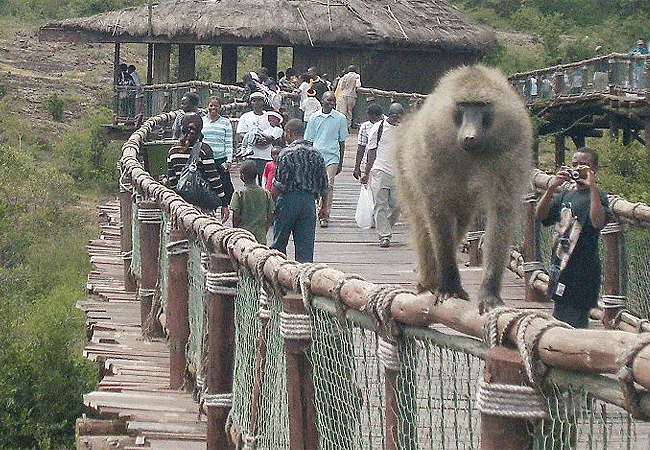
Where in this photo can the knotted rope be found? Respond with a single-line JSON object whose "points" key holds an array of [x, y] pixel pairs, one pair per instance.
{"points": [[626, 376], [388, 354], [302, 282], [340, 306], [378, 306]]}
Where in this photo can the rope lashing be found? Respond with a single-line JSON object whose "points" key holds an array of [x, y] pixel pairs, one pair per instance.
{"points": [[259, 269], [150, 215], [145, 293], [295, 326], [530, 353], [616, 302], [340, 306], [263, 313], [217, 282], [247, 255], [302, 283], [127, 255], [178, 247], [223, 400], [378, 306], [625, 374], [275, 282], [507, 400], [475, 235], [388, 354]]}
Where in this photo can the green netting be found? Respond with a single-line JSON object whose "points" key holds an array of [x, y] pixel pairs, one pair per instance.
{"points": [[271, 430], [196, 308], [578, 420], [636, 262], [136, 261]]}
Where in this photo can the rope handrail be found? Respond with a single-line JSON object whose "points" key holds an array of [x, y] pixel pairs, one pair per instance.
{"points": [[588, 351]]}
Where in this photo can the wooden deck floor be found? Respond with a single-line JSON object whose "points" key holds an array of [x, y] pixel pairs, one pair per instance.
{"points": [[135, 372]]}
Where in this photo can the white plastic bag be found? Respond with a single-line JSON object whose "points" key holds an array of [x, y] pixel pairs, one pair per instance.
{"points": [[365, 208]]}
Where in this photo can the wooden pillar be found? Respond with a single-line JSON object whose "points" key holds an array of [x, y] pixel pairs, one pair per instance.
{"points": [[221, 344], [150, 218], [613, 301], [229, 64], [560, 150], [186, 62], [270, 60], [160, 75], [498, 432], [387, 354], [177, 313], [530, 252], [149, 64], [116, 80], [303, 434], [126, 233], [473, 250]]}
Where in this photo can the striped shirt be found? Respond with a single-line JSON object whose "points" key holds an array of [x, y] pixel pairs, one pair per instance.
{"points": [[177, 158], [218, 135], [301, 168]]}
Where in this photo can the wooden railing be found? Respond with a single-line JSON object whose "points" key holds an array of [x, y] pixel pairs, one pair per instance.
{"points": [[592, 357]]}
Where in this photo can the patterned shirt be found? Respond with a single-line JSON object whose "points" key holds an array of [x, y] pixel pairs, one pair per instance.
{"points": [[218, 135], [301, 168], [177, 158]]}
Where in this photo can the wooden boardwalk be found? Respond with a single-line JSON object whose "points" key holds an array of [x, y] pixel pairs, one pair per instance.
{"points": [[135, 372]]}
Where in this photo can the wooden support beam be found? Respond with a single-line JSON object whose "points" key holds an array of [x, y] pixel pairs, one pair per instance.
{"points": [[270, 60], [560, 150], [126, 233], [150, 221]]}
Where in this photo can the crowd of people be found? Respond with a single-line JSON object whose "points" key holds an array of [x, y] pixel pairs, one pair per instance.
{"points": [[289, 167]]}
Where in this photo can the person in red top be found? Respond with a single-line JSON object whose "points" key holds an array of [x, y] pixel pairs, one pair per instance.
{"points": [[269, 169]]}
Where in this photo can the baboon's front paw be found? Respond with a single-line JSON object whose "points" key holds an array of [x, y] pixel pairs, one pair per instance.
{"points": [[488, 302]]}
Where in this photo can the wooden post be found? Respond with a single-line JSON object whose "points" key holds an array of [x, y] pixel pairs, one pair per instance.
{"points": [[647, 128], [560, 150], [303, 434], [503, 366], [186, 62], [613, 301], [126, 233], [386, 353], [221, 344], [150, 218], [177, 313], [161, 75], [530, 252], [270, 60], [116, 80], [473, 251], [229, 64]]}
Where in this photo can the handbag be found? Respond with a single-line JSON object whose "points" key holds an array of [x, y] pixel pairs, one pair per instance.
{"points": [[193, 187], [364, 214]]}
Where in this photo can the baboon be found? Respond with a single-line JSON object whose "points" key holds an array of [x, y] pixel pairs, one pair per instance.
{"points": [[467, 149]]}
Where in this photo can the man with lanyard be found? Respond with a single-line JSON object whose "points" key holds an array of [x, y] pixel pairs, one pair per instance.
{"points": [[579, 212], [380, 169], [327, 130]]}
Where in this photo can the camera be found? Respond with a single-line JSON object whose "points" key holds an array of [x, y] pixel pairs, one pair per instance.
{"points": [[574, 174]]}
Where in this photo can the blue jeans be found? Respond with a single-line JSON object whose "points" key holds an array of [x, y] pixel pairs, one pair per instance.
{"points": [[295, 212]]}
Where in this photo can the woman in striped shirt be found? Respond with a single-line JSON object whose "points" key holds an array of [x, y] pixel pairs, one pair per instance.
{"points": [[179, 154], [217, 133]]}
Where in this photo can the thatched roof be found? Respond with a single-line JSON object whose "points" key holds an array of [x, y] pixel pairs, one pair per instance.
{"points": [[429, 25]]}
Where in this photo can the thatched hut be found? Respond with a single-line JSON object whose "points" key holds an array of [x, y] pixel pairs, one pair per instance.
{"points": [[397, 44]]}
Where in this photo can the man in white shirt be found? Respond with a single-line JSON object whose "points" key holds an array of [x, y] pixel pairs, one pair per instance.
{"points": [[380, 170], [255, 145]]}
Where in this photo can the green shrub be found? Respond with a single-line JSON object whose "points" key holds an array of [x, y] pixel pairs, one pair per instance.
{"points": [[55, 106]]}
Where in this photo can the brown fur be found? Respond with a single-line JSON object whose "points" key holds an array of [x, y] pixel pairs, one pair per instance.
{"points": [[442, 186]]}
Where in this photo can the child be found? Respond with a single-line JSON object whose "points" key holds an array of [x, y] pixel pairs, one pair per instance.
{"points": [[269, 169], [310, 105], [252, 206]]}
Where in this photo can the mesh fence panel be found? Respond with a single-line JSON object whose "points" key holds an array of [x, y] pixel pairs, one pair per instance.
{"points": [[196, 308], [637, 259]]}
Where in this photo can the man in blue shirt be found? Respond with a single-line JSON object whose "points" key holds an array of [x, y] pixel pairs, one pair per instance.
{"points": [[327, 130]]}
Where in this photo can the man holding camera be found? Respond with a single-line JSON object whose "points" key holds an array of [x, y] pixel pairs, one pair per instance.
{"points": [[579, 212]]}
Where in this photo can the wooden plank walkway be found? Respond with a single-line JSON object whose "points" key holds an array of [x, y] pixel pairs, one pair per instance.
{"points": [[135, 372]]}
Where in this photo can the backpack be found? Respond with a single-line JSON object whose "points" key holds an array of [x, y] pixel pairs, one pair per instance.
{"points": [[193, 187]]}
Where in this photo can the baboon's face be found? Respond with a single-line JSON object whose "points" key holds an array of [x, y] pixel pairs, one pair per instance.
{"points": [[473, 122]]}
